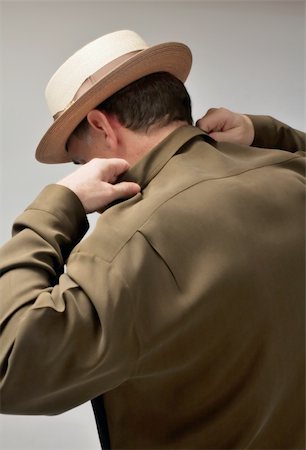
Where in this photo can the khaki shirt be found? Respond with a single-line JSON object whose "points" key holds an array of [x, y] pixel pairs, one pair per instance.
{"points": [[184, 306]]}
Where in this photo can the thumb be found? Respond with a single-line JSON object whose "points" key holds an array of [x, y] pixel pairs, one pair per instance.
{"points": [[210, 121], [221, 136], [205, 124], [125, 189]]}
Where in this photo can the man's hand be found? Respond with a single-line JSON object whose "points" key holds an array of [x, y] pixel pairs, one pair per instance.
{"points": [[226, 126], [95, 183]]}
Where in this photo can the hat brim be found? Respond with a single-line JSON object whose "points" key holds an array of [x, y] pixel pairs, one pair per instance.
{"points": [[171, 57]]}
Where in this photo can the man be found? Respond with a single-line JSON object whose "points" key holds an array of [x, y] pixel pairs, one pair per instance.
{"points": [[184, 307]]}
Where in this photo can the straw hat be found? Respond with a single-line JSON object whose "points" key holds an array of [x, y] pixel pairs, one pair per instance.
{"points": [[94, 73]]}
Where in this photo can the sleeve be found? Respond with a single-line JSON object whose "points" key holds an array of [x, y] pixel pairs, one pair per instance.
{"points": [[59, 347], [271, 133]]}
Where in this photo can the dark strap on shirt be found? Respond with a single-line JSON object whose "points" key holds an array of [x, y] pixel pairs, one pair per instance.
{"points": [[101, 421]]}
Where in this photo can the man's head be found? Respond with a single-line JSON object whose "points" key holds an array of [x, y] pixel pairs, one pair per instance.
{"points": [[96, 72], [154, 100]]}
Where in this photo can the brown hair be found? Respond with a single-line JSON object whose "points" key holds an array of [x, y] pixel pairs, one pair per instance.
{"points": [[156, 99]]}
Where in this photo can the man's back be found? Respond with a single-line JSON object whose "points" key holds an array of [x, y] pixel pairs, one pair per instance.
{"points": [[210, 258]]}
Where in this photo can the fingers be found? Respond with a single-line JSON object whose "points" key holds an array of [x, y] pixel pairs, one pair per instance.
{"points": [[111, 168], [111, 171], [214, 120], [125, 189], [110, 193], [95, 183], [222, 136], [224, 125]]}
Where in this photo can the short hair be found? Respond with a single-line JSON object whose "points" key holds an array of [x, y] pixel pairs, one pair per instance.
{"points": [[156, 99]]}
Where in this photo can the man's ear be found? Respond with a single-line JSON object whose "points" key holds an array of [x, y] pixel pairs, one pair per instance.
{"points": [[102, 125]]}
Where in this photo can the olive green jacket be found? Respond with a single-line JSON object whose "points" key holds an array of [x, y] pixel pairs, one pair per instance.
{"points": [[184, 306]]}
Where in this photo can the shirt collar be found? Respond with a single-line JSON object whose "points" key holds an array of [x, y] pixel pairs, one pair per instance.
{"points": [[149, 166]]}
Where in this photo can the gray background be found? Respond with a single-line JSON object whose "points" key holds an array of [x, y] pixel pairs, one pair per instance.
{"points": [[249, 56]]}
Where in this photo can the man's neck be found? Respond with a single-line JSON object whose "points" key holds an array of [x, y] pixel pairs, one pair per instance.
{"points": [[135, 145]]}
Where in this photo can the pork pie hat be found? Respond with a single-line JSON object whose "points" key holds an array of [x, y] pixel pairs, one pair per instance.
{"points": [[97, 71]]}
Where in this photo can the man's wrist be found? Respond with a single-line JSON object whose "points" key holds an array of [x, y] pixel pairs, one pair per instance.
{"points": [[65, 205]]}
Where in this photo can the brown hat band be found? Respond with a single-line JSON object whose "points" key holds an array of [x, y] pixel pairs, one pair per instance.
{"points": [[95, 77]]}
